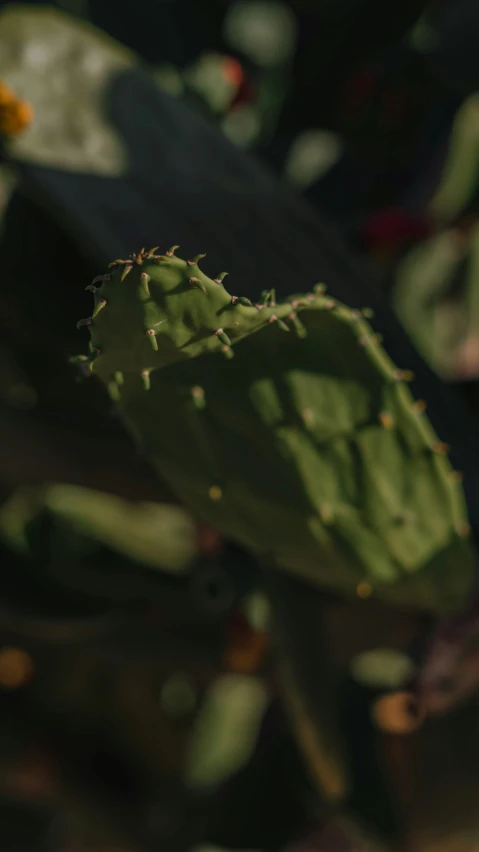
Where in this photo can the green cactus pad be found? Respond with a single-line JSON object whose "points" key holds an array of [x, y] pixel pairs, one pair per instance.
{"points": [[154, 310], [306, 447]]}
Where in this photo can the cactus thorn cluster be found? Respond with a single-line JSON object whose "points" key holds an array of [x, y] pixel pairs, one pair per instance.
{"points": [[162, 290]]}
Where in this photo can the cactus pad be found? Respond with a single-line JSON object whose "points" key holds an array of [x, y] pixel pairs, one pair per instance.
{"points": [[306, 446]]}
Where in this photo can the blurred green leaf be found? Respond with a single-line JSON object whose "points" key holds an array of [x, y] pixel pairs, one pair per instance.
{"points": [[158, 535], [461, 171], [226, 729]]}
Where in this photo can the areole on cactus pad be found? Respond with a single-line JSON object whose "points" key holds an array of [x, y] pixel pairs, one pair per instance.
{"points": [[306, 447]]}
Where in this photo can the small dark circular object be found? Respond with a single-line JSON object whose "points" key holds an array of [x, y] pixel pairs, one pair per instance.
{"points": [[213, 590]]}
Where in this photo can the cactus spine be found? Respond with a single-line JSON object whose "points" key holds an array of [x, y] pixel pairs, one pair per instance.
{"points": [[306, 447]]}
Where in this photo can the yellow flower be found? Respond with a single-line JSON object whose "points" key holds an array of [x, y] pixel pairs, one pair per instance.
{"points": [[15, 114]]}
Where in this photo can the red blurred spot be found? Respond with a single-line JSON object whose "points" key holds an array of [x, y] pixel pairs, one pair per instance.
{"points": [[209, 541], [358, 90], [393, 227], [232, 71]]}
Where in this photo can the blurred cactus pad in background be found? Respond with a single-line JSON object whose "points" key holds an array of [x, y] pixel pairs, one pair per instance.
{"points": [[64, 67], [435, 290]]}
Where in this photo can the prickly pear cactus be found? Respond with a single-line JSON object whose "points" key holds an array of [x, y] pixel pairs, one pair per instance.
{"points": [[306, 446]]}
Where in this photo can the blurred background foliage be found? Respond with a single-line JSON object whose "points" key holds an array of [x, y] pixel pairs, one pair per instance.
{"points": [[140, 706]]}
